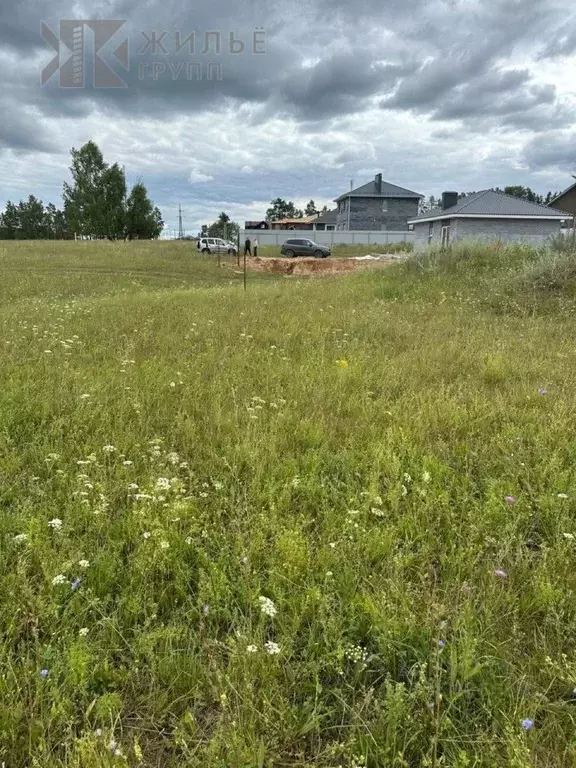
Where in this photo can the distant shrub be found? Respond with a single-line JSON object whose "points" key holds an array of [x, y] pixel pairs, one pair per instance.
{"points": [[398, 248], [470, 256], [563, 243], [553, 271]]}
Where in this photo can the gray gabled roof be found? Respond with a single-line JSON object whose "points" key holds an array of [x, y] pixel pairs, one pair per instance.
{"points": [[327, 217], [388, 190], [489, 203]]}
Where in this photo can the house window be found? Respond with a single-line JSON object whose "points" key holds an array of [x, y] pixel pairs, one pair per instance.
{"points": [[384, 206], [430, 231]]}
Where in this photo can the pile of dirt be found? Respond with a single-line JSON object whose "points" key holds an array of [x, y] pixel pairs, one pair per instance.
{"points": [[303, 266]]}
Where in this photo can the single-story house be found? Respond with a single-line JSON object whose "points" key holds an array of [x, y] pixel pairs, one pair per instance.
{"points": [[566, 201], [304, 222], [486, 215], [325, 220], [262, 224], [377, 206]]}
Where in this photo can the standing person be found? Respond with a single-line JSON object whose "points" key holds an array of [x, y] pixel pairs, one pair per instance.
{"points": [[255, 244], [247, 248]]}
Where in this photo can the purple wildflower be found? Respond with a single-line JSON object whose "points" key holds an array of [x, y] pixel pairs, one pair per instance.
{"points": [[441, 644], [43, 673], [467, 588], [510, 499], [76, 583], [500, 573], [205, 610], [527, 723], [542, 391]]}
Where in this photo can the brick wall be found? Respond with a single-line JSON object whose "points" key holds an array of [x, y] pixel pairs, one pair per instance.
{"points": [[367, 213], [508, 230]]}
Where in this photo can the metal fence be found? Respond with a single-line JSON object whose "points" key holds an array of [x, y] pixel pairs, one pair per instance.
{"points": [[330, 237]]}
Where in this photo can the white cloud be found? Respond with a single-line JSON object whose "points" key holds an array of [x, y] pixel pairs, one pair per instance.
{"points": [[197, 177]]}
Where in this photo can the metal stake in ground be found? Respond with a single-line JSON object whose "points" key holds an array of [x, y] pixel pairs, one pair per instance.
{"points": [[244, 268]]}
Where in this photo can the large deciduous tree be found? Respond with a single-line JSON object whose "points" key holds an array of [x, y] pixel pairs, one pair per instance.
{"points": [[143, 219]]}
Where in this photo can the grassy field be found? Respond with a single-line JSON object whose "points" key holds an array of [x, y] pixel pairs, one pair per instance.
{"points": [[326, 522]]}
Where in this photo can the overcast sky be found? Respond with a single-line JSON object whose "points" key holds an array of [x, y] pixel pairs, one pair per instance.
{"points": [[435, 94]]}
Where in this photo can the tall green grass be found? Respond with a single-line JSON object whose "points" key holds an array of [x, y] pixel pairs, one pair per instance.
{"points": [[384, 457]]}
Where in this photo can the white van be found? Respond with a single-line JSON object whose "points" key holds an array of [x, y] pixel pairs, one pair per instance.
{"points": [[216, 245]]}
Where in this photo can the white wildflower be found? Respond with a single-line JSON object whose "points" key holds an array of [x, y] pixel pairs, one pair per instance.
{"points": [[133, 487], [173, 458], [267, 606], [188, 540], [251, 649], [83, 632], [55, 524], [127, 463], [60, 579], [426, 476], [163, 484], [146, 534], [84, 563], [164, 544], [108, 449], [272, 648], [562, 495], [172, 384], [20, 537], [569, 536]]}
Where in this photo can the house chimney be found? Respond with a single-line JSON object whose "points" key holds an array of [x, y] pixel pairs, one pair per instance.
{"points": [[378, 182], [449, 199]]}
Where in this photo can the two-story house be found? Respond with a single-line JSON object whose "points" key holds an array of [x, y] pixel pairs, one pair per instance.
{"points": [[377, 206]]}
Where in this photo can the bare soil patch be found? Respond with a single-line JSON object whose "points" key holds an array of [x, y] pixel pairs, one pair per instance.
{"points": [[303, 266]]}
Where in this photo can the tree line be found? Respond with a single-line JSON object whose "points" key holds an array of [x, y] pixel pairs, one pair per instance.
{"points": [[97, 205], [285, 209], [227, 229]]}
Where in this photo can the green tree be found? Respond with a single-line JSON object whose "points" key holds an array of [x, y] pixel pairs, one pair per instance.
{"points": [[280, 209], [10, 222], [33, 223], [224, 227], [83, 199], [143, 219], [114, 201], [55, 223], [525, 193], [310, 209]]}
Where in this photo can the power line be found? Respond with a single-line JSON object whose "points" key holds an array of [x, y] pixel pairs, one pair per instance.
{"points": [[180, 227]]}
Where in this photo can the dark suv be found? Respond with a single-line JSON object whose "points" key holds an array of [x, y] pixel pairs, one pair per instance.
{"points": [[303, 247]]}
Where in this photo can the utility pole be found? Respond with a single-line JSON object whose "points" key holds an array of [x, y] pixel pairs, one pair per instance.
{"points": [[350, 202], [180, 228]]}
